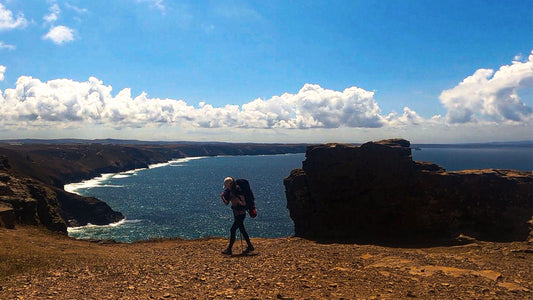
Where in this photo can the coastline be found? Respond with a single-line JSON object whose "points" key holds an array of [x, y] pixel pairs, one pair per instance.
{"points": [[50, 166], [95, 181]]}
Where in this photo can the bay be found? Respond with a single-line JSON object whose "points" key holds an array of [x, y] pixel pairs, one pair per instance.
{"points": [[182, 198]]}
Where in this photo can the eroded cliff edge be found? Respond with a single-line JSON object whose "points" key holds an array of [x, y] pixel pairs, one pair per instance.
{"points": [[24, 200], [376, 193]]}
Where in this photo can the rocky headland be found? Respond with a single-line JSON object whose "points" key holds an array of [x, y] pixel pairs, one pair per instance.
{"points": [[376, 193]]}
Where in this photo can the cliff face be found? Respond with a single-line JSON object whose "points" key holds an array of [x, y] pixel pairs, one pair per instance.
{"points": [[377, 193], [25, 200]]}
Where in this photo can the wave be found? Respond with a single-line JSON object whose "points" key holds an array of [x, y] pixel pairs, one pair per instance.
{"points": [[122, 222], [100, 180], [86, 184], [120, 175], [175, 162]]}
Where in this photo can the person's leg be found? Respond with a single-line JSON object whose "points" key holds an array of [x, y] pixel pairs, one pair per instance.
{"points": [[233, 232], [244, 233]]}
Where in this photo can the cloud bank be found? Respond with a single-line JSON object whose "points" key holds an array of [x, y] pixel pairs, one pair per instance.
{"points": [[67, 101], [491, 96], [486, 97]]}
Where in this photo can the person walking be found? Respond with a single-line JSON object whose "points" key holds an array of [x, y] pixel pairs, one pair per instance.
{"points": [[233, 194]]}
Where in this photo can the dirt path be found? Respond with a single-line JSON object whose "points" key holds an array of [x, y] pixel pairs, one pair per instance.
{"points": [[35, 264]]}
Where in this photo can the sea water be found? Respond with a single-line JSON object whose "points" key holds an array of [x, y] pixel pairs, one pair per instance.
{"points": [[181, 198]]}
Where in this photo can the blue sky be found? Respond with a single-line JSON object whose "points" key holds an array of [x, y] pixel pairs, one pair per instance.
{"points": [[267, 71]]}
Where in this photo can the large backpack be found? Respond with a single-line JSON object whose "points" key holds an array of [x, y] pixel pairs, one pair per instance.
{"points": [[244, 186]]}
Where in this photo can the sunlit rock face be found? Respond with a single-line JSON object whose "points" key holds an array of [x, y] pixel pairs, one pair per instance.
{"points": [[376, 193]]}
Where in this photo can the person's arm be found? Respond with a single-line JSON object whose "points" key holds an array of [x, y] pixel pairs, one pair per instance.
{"points": [[223, 198]]}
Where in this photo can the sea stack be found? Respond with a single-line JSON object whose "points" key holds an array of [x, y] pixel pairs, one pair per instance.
{"points": [[376, 193]]}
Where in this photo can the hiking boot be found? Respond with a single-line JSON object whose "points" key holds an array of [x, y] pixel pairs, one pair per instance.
{"points": [[248, 250], [227, 251]]}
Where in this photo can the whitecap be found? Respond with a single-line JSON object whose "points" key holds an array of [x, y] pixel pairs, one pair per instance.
{"points": [[122, 222], [86, 184], [174, 162], [122, 175]]}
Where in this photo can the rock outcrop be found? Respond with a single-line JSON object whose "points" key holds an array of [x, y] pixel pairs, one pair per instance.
{"points": [[377, 193], [25, 200]]}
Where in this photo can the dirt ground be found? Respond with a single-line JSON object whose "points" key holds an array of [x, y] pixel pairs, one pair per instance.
{"points": [[37, 264]]}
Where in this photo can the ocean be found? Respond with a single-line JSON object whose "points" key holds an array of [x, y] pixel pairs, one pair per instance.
{"points": [[181, 198]]}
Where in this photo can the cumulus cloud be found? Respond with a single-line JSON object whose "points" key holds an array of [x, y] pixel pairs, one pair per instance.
{"points": [[2, 72], [66, 101], [60, 34], [7, 46], [491, 96], [8, 21], [409, 117]]}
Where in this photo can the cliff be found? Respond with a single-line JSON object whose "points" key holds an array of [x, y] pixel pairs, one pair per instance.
{"points": [[377, 193], [24, 200]]}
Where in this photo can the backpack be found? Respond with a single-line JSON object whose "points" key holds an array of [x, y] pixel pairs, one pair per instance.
{"points": [[244, 186]]}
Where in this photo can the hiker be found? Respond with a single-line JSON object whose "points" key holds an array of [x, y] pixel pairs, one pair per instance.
{"points": [[233, 194]]}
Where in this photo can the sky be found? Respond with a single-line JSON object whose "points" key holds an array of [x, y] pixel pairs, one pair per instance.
{"points": [[267, 71]]}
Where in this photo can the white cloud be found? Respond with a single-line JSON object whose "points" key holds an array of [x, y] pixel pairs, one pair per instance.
{"points": [[409, 117], [65, 100], [7, 21], [76, 8], [2, 72], [491, 96], [60, 34], [53, 15], [7, 46]]}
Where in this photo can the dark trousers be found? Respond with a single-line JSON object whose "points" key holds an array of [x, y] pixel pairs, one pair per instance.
{"points": [[239, 223]]}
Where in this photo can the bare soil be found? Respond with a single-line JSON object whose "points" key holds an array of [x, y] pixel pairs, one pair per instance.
{"points": [[37, 264]]}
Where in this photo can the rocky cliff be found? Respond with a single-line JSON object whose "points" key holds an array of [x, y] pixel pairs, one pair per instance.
{"points": [[25, 200], [377, 193]]}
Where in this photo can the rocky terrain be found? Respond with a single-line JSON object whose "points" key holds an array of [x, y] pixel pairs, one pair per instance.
{"points": [[376, 193], [36, 264]]}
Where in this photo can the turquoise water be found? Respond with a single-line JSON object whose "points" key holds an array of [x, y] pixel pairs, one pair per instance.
{"points": [[182, 198]]}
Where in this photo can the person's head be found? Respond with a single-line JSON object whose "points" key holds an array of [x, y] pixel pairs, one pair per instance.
{"points": [[229, 183]]}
